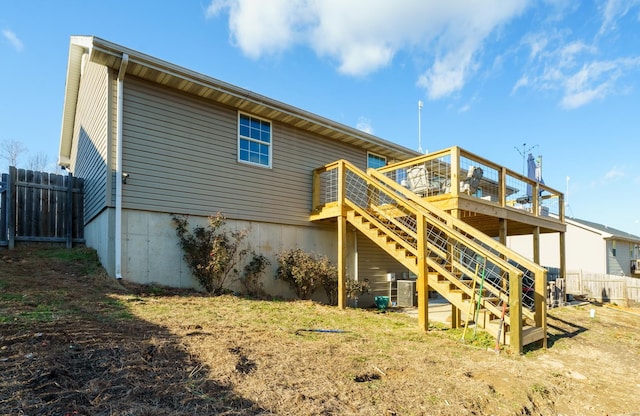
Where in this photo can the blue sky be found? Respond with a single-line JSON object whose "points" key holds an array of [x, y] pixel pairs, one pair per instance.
{"points": [[560, 76]]}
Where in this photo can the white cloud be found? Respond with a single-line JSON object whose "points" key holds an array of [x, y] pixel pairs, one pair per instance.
{"points": [[614, 10], [364, 124], [572, 68], [362, 36], [595, 80], [614, 173], [266, 30], [521, 83], [13, 39]]}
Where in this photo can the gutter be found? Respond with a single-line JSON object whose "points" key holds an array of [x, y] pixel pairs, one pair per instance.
{"points": [[119, 174]]}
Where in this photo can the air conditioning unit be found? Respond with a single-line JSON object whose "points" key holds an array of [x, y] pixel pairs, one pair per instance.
{"points": [[635, 267], [407, 295]]}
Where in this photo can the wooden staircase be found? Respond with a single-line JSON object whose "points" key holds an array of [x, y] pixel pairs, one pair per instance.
{"points": [[455, 254]]}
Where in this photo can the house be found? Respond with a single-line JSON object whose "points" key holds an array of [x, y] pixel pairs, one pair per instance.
{"points": [[152, 139], [591, 247]]}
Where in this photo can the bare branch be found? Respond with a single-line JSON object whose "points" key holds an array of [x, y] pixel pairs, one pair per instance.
{"points": [[10, 150], [38, 162]]}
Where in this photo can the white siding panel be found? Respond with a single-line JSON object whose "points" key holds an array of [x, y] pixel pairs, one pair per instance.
{"points": [[181, 155]]}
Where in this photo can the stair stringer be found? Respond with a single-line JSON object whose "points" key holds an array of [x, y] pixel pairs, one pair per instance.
{"points": [[369, 226]]}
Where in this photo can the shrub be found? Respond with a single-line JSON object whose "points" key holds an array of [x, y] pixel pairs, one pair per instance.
{"points": [[355, 288], [252, 273], [306, 272], [211, 252]]}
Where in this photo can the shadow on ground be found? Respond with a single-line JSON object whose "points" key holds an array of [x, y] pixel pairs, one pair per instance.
{"points": [[72, 350]]}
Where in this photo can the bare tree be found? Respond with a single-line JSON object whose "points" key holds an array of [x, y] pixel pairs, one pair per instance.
{"points": [[38, 162], [10, 150]]}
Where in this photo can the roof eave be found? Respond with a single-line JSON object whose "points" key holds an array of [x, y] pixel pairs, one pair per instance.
{"points": [[166, 73], [78, 46]]}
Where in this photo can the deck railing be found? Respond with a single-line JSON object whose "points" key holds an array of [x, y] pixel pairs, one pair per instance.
{"points": [[449, 172]]}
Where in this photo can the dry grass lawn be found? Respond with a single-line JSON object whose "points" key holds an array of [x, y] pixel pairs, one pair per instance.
{"points": [[75, 342]]}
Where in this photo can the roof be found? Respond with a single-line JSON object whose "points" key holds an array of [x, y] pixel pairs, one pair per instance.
{"points": [[606, 232], [172, 76]]}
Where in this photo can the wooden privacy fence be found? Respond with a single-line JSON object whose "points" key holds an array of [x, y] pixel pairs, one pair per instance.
{"points": [[41, 207], [604, 287]]}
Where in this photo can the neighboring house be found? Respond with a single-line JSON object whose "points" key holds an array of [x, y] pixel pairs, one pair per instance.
{"points": [[153, 139], [590, 247]]}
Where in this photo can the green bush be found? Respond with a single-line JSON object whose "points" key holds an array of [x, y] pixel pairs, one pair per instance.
{"points": [[253, 271], [211, 252], [356, 288], [306, 272]]}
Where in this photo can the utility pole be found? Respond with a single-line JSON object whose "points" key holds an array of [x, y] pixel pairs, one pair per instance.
{"points": [[419, 126]]}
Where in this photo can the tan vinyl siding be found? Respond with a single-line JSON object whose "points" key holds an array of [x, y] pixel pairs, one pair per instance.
{"points": [[374, 264], [181, 155], [89, 152]]}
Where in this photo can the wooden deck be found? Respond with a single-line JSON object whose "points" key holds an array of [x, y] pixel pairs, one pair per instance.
{"points": [[451, 231]]}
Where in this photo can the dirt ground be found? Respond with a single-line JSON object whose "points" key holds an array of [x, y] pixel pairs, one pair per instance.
{"points": [[75, 342]]}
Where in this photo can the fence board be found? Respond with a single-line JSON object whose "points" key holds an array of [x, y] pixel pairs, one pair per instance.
{"points": [[604, 287], [45, 221], [43, 207], [4, 183]]}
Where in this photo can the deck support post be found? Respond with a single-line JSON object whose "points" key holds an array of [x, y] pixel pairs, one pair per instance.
{"points": [[423, 278], [563, 257], [540, 286], [515, 311], [536, 245], [342, 261], [456, 318], [342, 238]]}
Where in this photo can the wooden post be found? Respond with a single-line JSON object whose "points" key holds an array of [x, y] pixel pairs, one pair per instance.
{"points": [[503, 187], [3, 204], [540, 289], [456, 318], [423, 278], [315, 190], [502, 231], [69, 212], [515, 311], [455, 169], [456, 313], [11, 207], [540, 302], [342, 236], [536, 245], [563, 258]]}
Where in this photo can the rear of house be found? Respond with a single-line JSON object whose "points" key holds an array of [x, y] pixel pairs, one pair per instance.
{"points": [[153, 139]]}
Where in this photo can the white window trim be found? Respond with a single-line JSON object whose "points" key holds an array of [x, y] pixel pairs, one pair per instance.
{"points": [[270, 144]]}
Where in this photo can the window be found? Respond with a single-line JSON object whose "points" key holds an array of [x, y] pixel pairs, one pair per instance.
{"points": [[254, 140], [613, 248], [374, 161]]}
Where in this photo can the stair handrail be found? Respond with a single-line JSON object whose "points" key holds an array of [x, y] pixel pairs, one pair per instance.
{"points": [[539, 272], [458, 223], [417, 205]]}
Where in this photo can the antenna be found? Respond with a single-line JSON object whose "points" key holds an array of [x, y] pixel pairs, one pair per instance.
{"points": [[419, 126], [566, 199], [523, 153]]}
